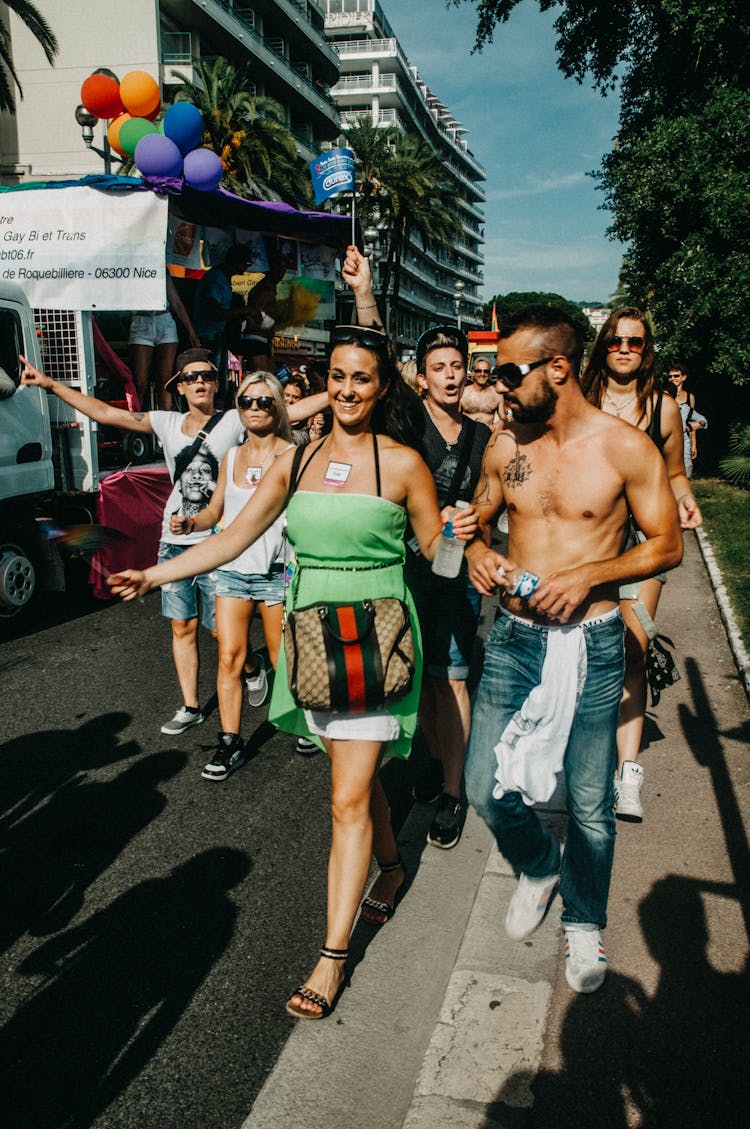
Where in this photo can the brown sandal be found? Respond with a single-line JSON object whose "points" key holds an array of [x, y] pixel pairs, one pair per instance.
{"points": [[314, 997], [371, 906]]}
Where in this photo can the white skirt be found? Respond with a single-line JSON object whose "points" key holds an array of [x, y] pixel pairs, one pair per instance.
{"points": [[378, 725]]}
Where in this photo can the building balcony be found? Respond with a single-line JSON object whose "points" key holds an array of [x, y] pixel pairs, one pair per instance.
{"points": [[288, 17]]}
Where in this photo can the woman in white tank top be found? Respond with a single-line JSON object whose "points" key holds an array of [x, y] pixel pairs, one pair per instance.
{"points": [[253, 579]]}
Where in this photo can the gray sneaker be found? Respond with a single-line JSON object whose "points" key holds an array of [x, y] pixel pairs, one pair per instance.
{"points": [[183, 720], [257, 685]]}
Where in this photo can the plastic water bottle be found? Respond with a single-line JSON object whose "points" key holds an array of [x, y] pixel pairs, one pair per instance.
{"points": [[450, 550], [520, 582]]}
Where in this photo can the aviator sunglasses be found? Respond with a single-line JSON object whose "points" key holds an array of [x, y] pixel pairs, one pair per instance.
{"points": [[247, 403], [635, 344], [359, 335], [512, 375]]}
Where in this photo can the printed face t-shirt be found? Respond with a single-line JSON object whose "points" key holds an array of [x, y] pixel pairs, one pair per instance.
{"points": [[194, 479]]}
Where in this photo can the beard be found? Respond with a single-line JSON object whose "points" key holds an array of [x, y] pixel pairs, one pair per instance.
{"points": [[539, 412]]}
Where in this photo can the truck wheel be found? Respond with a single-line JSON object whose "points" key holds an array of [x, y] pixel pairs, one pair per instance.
{"points": [[17, 581], [136, 447]]}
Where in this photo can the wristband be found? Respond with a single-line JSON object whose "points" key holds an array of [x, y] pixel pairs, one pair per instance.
{"points": [[191, 524], [372, 306]]}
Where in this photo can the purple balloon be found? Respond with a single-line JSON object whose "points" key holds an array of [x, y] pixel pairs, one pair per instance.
{"points": [[203, 169], [183, 124], [156, 155]]}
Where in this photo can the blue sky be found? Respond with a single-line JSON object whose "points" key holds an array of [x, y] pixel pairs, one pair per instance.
{"points": [[536, 133]]}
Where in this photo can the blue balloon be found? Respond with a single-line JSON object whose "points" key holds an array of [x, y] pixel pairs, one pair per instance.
{"points": [[156, 155], [183, 124], [203, 169]]}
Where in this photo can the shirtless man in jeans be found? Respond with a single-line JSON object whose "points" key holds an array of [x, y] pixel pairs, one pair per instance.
{"points": [[567, 474]]}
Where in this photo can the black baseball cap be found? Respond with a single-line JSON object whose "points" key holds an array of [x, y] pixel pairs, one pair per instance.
{"points": [[189, 357]]}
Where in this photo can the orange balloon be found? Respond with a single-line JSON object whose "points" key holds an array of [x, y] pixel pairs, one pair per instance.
{"points": [[100, 95], [113, 133], [140, 94]]}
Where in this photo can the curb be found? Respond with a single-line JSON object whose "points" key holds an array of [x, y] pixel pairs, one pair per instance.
{"points": [[723, 599], [486, 1049]]}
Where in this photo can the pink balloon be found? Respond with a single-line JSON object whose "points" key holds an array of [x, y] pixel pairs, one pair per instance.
{"points": [[203, 169]]}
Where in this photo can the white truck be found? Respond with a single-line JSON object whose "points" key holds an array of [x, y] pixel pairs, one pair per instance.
{"points": [[49, 465]]}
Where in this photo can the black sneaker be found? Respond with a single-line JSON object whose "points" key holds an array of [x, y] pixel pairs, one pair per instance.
{"points": [[306, 748], [228, 755], [428, 787], [448, 822]]}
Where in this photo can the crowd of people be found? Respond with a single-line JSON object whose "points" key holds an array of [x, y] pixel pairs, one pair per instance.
{"points": [[589, 468]]}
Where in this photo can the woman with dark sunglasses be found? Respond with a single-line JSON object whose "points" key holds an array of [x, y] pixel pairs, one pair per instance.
{"points": [[196, 385], [255, 578], [619, 378], [351, 496]]}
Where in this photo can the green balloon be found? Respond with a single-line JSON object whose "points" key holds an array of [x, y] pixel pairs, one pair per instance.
{"points": [[132, 132]]}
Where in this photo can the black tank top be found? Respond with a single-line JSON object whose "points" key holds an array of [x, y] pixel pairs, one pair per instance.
{"points": [[654, 426]]}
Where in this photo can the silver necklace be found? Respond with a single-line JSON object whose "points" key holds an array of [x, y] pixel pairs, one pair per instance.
{"points": [[620, 408]]}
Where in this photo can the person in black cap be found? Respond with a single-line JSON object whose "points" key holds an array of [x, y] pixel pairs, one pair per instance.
{"points": [[194, 443]]}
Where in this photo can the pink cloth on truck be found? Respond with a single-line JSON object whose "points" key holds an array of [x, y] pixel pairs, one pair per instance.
{"points": [[133, 502], [108, 357]]}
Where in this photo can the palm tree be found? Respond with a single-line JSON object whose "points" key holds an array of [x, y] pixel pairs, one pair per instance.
{"points": [[421, 204], [402, 177], [248, 132], [736, 465], [44, 35], [373, 148]]}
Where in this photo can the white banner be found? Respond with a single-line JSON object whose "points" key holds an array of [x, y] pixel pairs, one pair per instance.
{"points": [[81, 249]]}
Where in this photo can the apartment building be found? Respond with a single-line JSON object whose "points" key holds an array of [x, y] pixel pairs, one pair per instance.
{"points": [[283, 40], [379, 83]]}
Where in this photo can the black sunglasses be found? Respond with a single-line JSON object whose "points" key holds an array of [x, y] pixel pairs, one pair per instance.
{"points": [[635, 344], [512, 375], [206, 375], [265, 403], [359, 335]]}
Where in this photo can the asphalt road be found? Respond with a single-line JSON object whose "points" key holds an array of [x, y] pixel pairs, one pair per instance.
{"points": [[153, 923]]}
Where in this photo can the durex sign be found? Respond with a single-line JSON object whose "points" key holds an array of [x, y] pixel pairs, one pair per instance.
{"points": [[332, 172]]}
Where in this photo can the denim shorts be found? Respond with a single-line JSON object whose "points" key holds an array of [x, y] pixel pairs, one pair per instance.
{"points": [[448, 612], [157, 328], [179, 599], [266, 589]]}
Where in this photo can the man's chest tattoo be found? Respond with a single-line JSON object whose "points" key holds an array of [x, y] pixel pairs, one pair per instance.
{"points": [[517, 470]]}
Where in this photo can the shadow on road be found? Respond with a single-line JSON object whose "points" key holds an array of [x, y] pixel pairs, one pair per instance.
{"points": [[111, 990], [674, 1059], [62, 826]]}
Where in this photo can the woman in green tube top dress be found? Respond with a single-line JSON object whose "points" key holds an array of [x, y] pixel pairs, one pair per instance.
{"points": [[351, 495]]}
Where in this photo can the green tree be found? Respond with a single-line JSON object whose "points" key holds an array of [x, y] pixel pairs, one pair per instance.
{"points": [[676, 180], [506, 305], [248, 132], [43, 34]]}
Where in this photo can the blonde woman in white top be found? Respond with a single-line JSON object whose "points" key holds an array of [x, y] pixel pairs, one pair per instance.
{"points": [[254, 579]]}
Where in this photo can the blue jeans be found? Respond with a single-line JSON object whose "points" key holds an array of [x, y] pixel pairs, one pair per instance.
{"points": [[513, 661]]}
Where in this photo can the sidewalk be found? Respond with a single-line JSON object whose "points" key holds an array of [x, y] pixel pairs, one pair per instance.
{"points": [[449, 1023]]}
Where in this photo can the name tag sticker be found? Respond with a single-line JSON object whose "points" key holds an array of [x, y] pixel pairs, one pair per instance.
{"points": [[337, 474], [253, 474]]}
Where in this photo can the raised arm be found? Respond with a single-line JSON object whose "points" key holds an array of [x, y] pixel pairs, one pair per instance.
{"points": [[356, 273], [307, 406], [87, 405], [268, 501]]}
